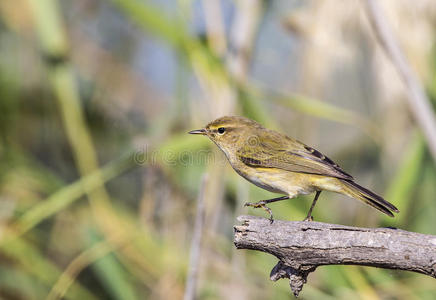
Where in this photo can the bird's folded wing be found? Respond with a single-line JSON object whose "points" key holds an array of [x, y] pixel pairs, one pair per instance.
{"points": [[290, 156]]}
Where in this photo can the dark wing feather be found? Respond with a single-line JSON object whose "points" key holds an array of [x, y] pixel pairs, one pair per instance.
{"points": [[273, 150]]}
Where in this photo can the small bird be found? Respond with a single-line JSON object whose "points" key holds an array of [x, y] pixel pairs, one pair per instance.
{"points": [[280, 164]]}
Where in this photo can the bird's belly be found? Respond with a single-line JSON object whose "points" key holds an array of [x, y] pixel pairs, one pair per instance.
{"points": [[279, 181]]}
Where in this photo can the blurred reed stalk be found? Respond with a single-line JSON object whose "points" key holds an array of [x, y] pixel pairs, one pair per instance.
{"points": [[195, 252], [55, 50], [419, 103], [86, 258], [54, 46]]}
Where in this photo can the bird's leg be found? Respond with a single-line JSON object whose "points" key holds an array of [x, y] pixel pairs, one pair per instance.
{"points": [[309, 214], [263, 204]]}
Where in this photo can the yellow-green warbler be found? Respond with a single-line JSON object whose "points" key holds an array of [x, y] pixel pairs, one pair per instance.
{"points": [[280, 164]]}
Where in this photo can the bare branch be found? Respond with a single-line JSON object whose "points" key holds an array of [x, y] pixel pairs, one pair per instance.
{"points": [[303, 246], [418, 101]]}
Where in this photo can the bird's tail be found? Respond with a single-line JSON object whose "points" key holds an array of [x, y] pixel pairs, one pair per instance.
{"points": [[359, 192]]}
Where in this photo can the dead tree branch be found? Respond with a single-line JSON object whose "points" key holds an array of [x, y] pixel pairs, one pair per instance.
{"points": [[303, 246]]}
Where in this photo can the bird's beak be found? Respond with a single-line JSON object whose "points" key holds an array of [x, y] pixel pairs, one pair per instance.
{"points": [[198, 131]]}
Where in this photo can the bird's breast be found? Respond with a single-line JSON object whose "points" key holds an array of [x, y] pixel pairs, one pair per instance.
{"points": [[277, 181]]}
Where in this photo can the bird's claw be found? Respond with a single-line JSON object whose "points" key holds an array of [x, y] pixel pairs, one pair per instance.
{"points": [[261, 204], [308, 219]]}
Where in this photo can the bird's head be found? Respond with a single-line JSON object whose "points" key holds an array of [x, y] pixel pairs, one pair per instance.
{"points": [[230, 132]]}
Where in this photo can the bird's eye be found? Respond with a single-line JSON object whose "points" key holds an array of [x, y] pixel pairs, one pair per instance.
{"points": [[221, 130]]}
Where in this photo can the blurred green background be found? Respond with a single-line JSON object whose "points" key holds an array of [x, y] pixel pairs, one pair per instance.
{"points": [[99, 180]]}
